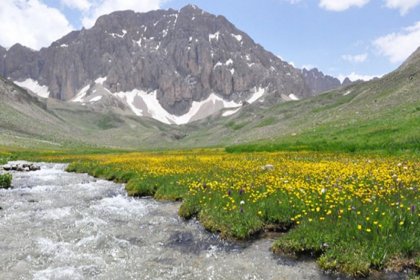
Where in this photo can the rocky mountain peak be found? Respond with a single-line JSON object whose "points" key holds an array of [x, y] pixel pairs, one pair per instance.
{"points": [[174, 66], [346, 82], [319, 82], [191, 9], [413, 60]]}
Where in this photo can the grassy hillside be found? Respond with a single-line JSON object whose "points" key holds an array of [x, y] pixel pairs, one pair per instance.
{"points": [[383, 114]]}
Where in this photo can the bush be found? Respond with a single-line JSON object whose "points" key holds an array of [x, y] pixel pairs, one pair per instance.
{"points": [[5, 181]]}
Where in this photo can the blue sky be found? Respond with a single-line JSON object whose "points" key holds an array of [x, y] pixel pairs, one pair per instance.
{"points": [[357, 38]]}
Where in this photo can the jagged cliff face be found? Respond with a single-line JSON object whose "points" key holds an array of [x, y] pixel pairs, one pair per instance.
{"points": [[317, 82], [176, 63]]}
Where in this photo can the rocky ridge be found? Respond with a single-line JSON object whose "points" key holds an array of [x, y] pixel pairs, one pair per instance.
{"points": [[317, 82], [174, 66]]}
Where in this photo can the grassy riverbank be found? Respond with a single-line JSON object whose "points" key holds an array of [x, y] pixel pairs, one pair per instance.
{"points": [[356, 213]]}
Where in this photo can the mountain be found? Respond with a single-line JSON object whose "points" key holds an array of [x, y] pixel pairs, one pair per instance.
{"points": [[317, 82], [346, 82], [381, 113], [173, 66], [412, 64]]}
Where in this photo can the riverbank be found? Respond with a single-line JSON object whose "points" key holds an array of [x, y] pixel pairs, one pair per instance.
{"points": [[356, 213]]}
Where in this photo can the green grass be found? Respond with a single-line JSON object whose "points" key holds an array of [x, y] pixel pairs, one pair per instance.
{"points": [[235, 126], [160, 187], [266, 122], [5, 181], [109, 121], [344, 248], [390, 135]]}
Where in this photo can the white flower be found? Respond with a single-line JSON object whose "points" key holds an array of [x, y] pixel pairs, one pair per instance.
{"points": [[242, 202]]}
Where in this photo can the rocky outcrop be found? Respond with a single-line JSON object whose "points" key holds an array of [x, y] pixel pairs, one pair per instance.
{"points": [[20, 61], [24, 167], [3, 52], [346, 82], [318, 82], [184, 55]]}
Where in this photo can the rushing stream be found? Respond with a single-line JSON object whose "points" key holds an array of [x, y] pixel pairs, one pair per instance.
{"points": [[60, 225]]}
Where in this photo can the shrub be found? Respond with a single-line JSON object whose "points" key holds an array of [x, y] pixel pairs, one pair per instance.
{"points": [[5, 180]]}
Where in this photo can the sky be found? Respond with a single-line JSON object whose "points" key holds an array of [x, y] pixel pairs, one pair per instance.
{"points": [[359, 39]]}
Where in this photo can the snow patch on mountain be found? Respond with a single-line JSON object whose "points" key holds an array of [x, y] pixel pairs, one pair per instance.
{"points": [[35, 87], [115, 35], [214, 36], [100, 80], [293, 97], [146, 104], [237, 37], [96, 98], [81, 94], [230, 112], [258, 93]]}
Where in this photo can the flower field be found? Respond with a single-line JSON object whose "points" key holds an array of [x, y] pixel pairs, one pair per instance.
{"points": [[354, 213]]}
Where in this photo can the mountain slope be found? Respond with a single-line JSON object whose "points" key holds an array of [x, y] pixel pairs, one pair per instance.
{"points": [[379, 114], [26, 120], [174, 66]]}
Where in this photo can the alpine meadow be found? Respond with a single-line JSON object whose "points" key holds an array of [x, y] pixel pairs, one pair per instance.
{"points": [[168, 144]]}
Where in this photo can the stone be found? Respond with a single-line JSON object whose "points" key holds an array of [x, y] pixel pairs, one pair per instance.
{"points": [[7, 167], [33, 167], [268, 167]]}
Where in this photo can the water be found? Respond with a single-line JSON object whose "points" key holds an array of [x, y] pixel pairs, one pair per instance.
{"points": [[60, 225]]}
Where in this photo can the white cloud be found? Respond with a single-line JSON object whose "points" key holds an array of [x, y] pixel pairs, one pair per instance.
{"points": [[341, 5], [30, 23], [358, 58], [356, 77], [403, 5], [103, 7], [82, 5], [398, 46]]}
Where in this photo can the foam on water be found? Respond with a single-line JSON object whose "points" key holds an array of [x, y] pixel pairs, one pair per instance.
{"points": [[58, 273]]}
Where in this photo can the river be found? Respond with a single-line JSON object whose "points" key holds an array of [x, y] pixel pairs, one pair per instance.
{"points": [[60, 225]]}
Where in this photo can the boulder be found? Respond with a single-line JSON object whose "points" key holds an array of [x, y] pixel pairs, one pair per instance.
{"points": [[34, 167], [7, 167]]}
